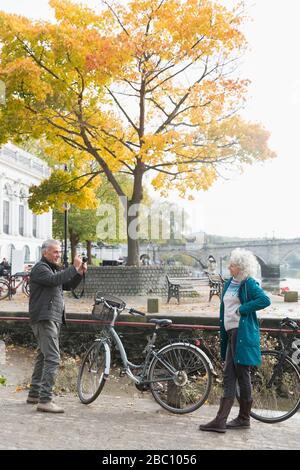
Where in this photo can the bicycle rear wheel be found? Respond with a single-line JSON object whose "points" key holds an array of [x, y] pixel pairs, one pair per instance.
{"points": [[185, 389], [92, 373], [4, 290], [275, 388]]}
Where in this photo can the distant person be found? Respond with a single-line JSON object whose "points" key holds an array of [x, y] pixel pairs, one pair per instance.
{"points": [[4, 266], [47, 313], [240, 339], [211, 265], [5, 263]]}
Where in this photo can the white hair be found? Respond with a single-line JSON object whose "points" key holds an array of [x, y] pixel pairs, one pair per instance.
{"points": [[246, 261], [49, 242]]}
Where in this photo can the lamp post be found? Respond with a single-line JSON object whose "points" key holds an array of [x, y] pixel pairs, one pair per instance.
{"points": [[65, 256], [66, 207], [221, 265]]}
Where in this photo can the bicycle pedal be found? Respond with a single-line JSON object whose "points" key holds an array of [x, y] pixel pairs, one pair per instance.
{"points": [[122, 373]]}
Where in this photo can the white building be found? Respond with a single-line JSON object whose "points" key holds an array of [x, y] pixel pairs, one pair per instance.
{"points": [[20, 229]]}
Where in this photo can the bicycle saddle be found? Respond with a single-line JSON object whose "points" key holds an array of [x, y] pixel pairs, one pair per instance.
{"points": [[160, 323], [290, 323]]}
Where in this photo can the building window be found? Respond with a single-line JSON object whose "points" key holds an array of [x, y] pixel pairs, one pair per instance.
{"points": [[6, 217], [26, 254], [10, 249], [34, 225], [21, 220]]}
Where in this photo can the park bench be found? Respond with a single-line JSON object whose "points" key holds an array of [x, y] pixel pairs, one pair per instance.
{"points": [[216, 284], [179, 285]]}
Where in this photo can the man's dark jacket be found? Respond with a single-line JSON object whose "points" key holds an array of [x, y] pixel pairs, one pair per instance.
{"points": [[46, 290]]}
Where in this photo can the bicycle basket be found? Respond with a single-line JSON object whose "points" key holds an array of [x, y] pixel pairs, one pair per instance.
{"points": [[101, 311]]}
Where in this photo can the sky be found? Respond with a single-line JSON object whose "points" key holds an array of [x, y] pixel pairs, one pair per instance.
{"points": [[265, 200]]}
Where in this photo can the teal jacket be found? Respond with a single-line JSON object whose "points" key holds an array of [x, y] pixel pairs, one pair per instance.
{"points": [[252, 298]]}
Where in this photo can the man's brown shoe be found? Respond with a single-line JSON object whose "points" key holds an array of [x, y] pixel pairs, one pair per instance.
{"points": [[50, 407], [32, 400]]}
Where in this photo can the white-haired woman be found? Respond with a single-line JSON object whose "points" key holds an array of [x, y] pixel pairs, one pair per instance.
{"points": [[240, 339]]}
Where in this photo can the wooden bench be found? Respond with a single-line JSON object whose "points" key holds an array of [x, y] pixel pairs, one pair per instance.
{"points": [[178, 285]]}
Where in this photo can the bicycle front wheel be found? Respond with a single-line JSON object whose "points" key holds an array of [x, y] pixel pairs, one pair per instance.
{"points": [[180, 378], [92, 374], [4, 290], [275, 388]]}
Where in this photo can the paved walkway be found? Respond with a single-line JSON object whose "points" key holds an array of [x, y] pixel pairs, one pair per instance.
{"points": [[121, 418], [120, 422], [130, 420]]}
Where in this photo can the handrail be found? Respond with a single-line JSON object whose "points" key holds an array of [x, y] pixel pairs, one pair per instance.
{"points": [[174, 326]]}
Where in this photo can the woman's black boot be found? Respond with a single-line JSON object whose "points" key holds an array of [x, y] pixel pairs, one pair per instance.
{"points": [[219, 423]]}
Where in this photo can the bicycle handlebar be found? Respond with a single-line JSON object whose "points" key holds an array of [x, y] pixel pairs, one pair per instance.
{"points": [[120, 307], [133, 311]]}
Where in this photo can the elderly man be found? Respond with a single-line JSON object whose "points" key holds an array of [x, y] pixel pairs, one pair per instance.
{"points": [[47, 313]]}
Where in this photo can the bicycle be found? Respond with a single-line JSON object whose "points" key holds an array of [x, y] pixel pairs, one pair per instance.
{"points": [[179, 375], [9, 285], [276, 383]]}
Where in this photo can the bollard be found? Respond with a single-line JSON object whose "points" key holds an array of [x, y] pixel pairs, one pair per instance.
{"points": [[291, 296], [152, 306]]}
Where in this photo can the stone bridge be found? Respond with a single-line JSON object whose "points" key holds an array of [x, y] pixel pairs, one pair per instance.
{"points": [[270, 253]]}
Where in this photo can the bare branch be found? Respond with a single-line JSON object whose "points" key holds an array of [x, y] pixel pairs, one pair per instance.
{"points": [[174, 74], [130, 84], [116, 16], [109, 174], [158, 106], [31, 54], [115, 156], [123, 110], [126, 144]]}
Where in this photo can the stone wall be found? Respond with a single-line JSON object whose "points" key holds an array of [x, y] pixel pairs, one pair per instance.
{"points": [[131, 280]]}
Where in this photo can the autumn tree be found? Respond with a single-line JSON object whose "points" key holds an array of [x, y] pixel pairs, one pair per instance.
{"points": [[82, 223], [148, 87]]}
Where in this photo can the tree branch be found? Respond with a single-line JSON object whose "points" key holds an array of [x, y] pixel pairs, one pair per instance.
{"points": [[116, 16], [123, 110]]}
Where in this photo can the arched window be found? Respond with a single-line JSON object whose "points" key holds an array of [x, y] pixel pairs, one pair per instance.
{"points": [[7, 193], [6, 217], [26, 250], [34, 225], [10, 250], [21, 219]]}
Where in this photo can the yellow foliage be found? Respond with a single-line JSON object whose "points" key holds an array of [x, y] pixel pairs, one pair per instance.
{"points": [[141, 86]]}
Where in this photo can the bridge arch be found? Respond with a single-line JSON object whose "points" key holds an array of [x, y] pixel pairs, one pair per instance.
{"points": [[288, 253]]}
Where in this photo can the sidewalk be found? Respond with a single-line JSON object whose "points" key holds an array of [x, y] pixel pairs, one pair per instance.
{"points": [[121, 418], [117, 422]]}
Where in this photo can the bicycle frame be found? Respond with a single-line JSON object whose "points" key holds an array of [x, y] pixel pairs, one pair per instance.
{"points": [[126, 363], [150, 355], [13, 285]]}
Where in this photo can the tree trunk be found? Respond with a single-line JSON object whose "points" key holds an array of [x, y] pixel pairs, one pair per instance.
{"points": [[74, 240], [132, 245], [89, 251], [133, 217]]}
